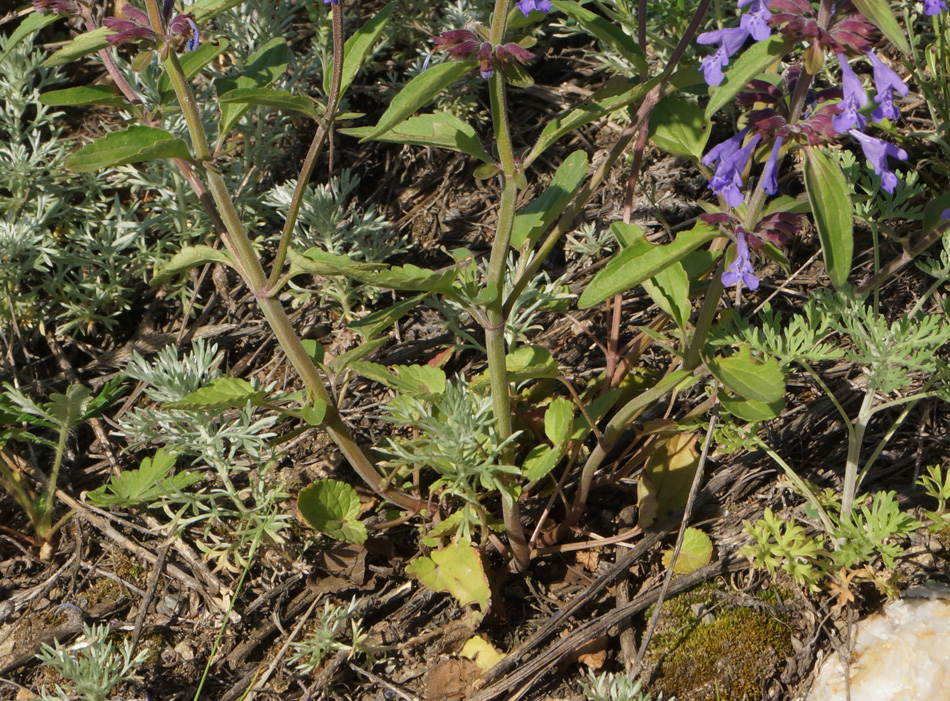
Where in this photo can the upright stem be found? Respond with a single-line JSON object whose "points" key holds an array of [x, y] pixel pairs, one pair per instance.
{"points": [[495, 313], [241, 249], [854, 453]]}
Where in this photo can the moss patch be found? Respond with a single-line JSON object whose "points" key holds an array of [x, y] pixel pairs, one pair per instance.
{"points": [[728, 655]]}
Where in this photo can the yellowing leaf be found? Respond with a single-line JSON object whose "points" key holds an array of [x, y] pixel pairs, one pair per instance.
{"points": [[481, 652], [665, 483], [456, 569], [695, 553]]}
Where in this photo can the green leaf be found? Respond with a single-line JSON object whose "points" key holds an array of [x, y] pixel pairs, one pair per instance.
{"points": [[695, 553], [762, 381], [669, 289], [314, 415], [419, 92], [379, 321], [358, 47], [678, 126], [332, 507], [191, 257], [751, 410], [130, 145], [192, 64], [539, 461], [753, 61], [33, 23], [316, 261], [278, 99], [80, 46], [834, 216], [263, 69], [341, 362], [149, 483], [456, 569], [70, 408], [933, 213], [530, 363], [204, 10], [559, 421], [418, 380], [609, 33], [314, 350], [532, 220], [81, 96], [438, 129], [631, 266], [881, 14], [615, 96], [410, 278], [220, 393]]}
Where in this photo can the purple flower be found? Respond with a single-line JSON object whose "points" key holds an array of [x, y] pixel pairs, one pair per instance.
{"points": [[877, 151], [886, 83], [731, 164], [770, 176], [945, 214], [464, 44], [136, 27], [60, 7], [854, 99], [931, 7], [741, 268], [730, 41], [756, 20], [526, 6]]}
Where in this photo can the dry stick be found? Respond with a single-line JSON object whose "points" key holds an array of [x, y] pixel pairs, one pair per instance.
{"points": [[394, 688], [149, 594], [687, 512]]}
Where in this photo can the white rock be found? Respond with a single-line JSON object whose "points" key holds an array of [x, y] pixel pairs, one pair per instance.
{"points": [[901, 654]]}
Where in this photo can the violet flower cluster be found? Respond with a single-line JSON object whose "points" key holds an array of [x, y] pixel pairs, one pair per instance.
{"points": [[847, 33], [466, 44], [137, 28]]}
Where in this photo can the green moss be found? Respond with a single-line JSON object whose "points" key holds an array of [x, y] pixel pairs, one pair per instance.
{"points": [[726, 658]]}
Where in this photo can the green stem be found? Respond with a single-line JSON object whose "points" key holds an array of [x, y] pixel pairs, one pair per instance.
{"points": [[249, 265], [800, 484], [854, 453], [44, 527], [707, 314], [316, 146]]}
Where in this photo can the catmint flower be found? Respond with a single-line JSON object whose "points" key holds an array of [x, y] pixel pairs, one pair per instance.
{"points": [[730, 41], [465, 44], [741, 268], [731, 162], [59, 7], [931, 7], [886, 83], [854, 99], [526, 6], [847, 29], [945, 214], [136, 27], [877, 151], [756, 20], [770, 175]]}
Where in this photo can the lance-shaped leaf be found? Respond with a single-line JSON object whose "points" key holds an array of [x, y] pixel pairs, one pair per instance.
{"points": [[418, 93], [616, 95], [131, 145], [358, 47], [33, 23], [191, 257], [831, 206], [456, 569], [279, 99], [881, 14], [409, 278], [264, 67], [80, 46], [379, 321], [83, 96], [753, 61], [532, 220], [608, 33], [632, 266], [221, 393], [206, 9], [332, 507], [439, 129]]}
